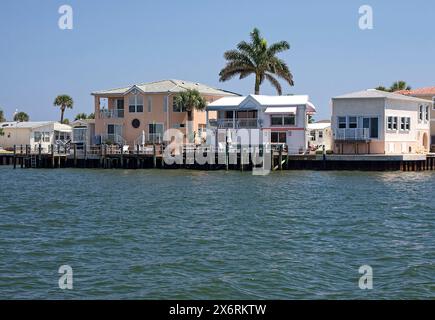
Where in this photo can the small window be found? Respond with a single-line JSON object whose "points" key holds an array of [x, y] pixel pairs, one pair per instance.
{"points": [[353, 122], [408, 124], [342, 122], [278, 137], [150, 104], [289, 120], [426, 113], [276, 120], [420, 113], [135, 103], [390, 123], [433, 103], [135, 123], [320, 134], [395, 123], [402, 124], [37, 136]]}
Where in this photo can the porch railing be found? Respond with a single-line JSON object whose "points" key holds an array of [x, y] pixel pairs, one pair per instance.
{"points": [[235, 124], [111, 113], [354, 134]]}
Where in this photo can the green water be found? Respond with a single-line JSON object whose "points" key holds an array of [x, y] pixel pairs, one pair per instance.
{"points": [[179, 234]]}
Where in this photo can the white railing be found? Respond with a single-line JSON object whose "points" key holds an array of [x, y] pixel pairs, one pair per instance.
{"points": [[235, 124], [354, 134], [148, 138], [111, 113], [112, 139]]}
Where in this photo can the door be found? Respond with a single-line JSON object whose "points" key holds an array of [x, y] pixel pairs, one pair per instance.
{"points": [[155, 131], [373, 125]]}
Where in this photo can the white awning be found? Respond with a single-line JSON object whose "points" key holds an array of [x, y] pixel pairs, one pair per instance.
{"points": [[281, 110]]}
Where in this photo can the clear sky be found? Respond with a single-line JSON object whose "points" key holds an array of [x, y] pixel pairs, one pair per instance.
{"points": [[116, 43]]}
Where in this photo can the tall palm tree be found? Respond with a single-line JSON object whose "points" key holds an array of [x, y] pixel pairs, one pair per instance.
{"points": [[189, 101], [63, 101], [258, 59], [21, 117]]}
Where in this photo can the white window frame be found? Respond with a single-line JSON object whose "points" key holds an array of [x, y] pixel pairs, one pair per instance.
{"points": [[135, 103], [340, 122], [420, 113], [433, 103], [426, 113]]}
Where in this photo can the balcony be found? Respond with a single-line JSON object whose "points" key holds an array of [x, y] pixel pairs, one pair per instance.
{"points": [[111, 113], [354, 134], [235, 124]]}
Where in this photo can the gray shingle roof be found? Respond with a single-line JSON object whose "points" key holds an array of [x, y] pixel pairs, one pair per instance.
{"points": [[373, 93], [165, 86]]}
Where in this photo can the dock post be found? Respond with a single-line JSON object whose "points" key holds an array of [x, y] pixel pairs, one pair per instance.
{"points": [[227, 157], [154, 156], [39, 155], [52, 155], [280, 157], [272, 159], [85, 154], [241, 157], [15, 156], [75, 155], [27, 156]]}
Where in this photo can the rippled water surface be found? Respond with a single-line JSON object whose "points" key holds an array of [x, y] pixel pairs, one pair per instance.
{"points": [[219, 235]]}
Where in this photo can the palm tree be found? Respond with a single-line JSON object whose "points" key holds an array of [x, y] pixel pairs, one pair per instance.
{"points": [[188, 101], [2, 116], [21, 117], [399, 85], [396, 86], [65, 121], [81, 116], [91, 116], [63, 101], [259, 59]]}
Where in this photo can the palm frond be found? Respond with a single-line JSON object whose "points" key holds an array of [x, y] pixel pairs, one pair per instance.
{"points": [[275, 83]]}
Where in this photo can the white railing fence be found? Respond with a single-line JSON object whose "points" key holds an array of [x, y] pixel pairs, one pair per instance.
{"points": [[352, 134]]}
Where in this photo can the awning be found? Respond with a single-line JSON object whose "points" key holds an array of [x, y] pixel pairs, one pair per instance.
{"points": [[281, 110]]}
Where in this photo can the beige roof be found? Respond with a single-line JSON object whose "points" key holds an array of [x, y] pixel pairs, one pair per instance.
{"points": [[166, 86], [373, 93]]}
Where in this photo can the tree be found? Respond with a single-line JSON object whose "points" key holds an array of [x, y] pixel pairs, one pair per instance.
{"points": [[258, 59], [2, 116], [65, 121], [396, 86], [64, 102], [21, 117], [81, 116], [188, 101], [91, 116]]}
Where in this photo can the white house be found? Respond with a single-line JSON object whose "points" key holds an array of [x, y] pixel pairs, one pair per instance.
{"points": [[378, 122], [321, 134], [33, 134], [83, 132], [285, 116]]}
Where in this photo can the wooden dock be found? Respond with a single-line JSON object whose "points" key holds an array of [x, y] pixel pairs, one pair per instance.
{"points": [[110, 157]]}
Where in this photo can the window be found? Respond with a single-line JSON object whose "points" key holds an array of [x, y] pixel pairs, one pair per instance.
{"points": [[177, 108], [313, 135], [353, 122], [320, 134], [135, 103], [79, 134], [392, 123], [150, 104], [402, 124], [119, 108], [433, 103], [342, 122], [426, 114], [278, 137], [372, 124], [420, 113], [405, 123], [280, 120], [135, 123], [37, 136]]}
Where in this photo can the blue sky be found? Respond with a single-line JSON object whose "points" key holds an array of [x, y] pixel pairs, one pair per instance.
{"points": [[116, 43]]}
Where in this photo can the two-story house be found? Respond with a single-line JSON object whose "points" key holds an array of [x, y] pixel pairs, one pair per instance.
{"points": [[139, 112], [285, 116]]}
